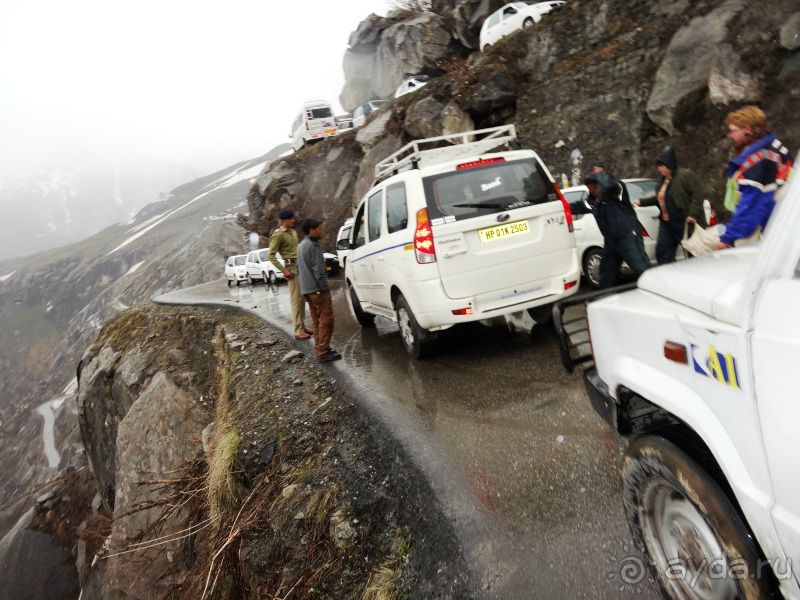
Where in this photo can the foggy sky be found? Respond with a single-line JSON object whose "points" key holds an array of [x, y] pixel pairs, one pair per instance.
{"points": [[194, 82]]}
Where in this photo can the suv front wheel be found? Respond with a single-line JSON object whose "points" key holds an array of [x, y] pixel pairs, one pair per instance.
{"points": [[417, 340], [364, 319], [697, 543]]}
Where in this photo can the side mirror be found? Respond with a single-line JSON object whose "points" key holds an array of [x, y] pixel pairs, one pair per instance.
{"points": [[343, 244]]}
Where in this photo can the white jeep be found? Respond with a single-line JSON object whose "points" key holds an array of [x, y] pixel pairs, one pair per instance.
{"points": [[451, 233], [696, 365]]}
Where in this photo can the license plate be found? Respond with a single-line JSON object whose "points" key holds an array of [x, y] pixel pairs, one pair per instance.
{"points": [[490, 234]]}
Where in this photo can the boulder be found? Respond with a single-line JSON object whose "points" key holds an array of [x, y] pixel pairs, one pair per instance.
{"points": [[388, 144], [34, 566], [685, 70], [790, 33], [468, 17], [372, 132], [424, 118], [494, 92], [728, 83], [359, 69], [159, 434], [455, 120]]}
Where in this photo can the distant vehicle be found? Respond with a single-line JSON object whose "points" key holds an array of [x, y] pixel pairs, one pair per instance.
{"points": [[587, 234], [343, 241], [364, 110], [259, 268], [460, 228], [343, 123], [332, 265], [314, 123], [235, 269], [513, 17], [412, 84]]}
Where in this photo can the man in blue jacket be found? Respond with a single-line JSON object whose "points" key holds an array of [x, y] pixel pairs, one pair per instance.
{"points": [[761, 166]]}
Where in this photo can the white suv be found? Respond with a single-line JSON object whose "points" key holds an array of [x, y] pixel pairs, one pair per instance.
{"points": [[455, 234], [259, 268]]}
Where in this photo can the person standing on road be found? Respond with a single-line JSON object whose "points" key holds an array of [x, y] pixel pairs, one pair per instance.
{"points": [[679, 199], [760, 168], [622, 232], [315, 289], [284, 242]]}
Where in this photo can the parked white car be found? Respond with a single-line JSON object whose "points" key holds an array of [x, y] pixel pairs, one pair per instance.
{"points": [[343, 241], [235, 269], [696, 364], [459, 233], [259, 268], [412, 84], [513, 17], [364, 110], [587, 234]]}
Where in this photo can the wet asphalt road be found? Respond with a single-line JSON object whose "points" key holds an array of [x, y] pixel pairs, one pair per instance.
{"points": [[515, 453]]}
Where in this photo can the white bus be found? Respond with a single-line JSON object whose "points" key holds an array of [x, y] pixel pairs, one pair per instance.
{"points": [[314, 123]]}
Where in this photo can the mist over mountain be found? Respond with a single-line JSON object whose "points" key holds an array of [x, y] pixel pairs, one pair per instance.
{"points": [[57, 205]]}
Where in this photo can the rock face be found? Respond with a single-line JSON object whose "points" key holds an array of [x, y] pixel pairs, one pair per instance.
{"points": [[687, 65], [160, 433], [34, 566], [384, 51]]}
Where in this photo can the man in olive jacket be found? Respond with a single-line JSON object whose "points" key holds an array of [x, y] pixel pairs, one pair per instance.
{"points": [[284, 242], [680, 199]]}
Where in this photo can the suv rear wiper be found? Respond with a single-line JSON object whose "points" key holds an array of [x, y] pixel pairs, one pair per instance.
{"points": [[478, 205]]}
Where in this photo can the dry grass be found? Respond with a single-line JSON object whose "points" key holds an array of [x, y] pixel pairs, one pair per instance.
{"points": [[382, 583], [408, 9]]}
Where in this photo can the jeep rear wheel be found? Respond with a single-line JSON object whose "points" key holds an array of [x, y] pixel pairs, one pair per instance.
{"points": [[416, 340], [364, 319], [697, 544]]}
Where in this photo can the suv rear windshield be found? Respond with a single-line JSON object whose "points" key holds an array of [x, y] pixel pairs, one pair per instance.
{"points": [[487, 189], [320, 113]]}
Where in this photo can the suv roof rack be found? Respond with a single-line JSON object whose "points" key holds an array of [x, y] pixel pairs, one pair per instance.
{"points": [[430, 151]]}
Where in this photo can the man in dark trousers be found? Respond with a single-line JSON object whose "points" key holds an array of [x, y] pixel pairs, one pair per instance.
{"points": [[622, 232], [315, 289]]}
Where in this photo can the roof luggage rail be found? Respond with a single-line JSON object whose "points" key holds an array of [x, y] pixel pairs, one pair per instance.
{"points": [[429, 151]]}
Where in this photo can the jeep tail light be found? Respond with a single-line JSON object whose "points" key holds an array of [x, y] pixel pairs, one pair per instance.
{"points": [[423, 239], [567, 209], [480, 163]]}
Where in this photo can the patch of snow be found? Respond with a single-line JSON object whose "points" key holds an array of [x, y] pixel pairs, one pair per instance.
{"points": [[145, 223], [48, 436], [243, 175], [71, 387], [119, 305], [155, 224], [7, 277], [49, 308], [289, 152], [135, 268]]}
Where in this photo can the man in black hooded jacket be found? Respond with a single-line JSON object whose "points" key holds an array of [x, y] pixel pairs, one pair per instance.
{"points": [[622, 232]]}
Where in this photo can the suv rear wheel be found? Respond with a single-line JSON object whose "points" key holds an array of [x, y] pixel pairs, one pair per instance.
{"points": [[416, 340], [591, 266], [697, 544], [364, 319]]}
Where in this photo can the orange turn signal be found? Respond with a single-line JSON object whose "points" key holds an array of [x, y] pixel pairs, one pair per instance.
{"points": [[676, 352]]}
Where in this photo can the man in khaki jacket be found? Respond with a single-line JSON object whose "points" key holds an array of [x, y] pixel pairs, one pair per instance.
{"points": [[284, 242]]}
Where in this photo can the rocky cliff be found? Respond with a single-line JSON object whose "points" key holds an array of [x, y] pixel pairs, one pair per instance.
{"points": [[597, 81], [53, 304], [228, 466]]}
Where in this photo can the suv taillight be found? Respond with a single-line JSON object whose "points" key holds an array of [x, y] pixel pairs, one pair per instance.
{"points": [[567, 209], [479, 163], [423, 239]]}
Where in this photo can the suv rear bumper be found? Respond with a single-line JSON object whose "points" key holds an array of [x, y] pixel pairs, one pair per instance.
{"points": [[439, 314], [602, 402]]}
